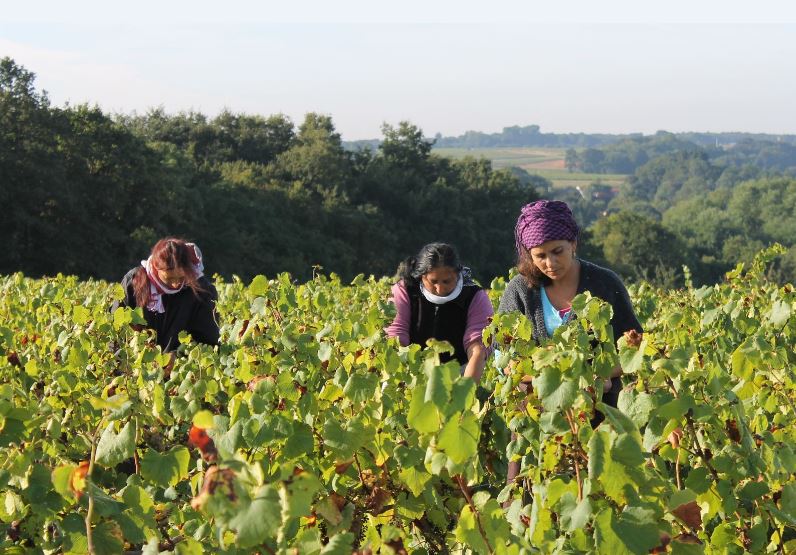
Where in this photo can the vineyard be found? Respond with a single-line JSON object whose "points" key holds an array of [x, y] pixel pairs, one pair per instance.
{"points": [[308, 432]]}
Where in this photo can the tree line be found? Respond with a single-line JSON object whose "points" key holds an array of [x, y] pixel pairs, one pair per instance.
{"points": [[88, 193]]}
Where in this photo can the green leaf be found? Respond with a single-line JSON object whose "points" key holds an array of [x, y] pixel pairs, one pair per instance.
{"points": [[637, 407], [574, 514], [752, 490], [60, 479], [114, 448], [204, 419], [631, 358], [780, 313], [788, 500], [415, 479], [80, 315], [423, 416], [344, 441], [258, 519], [300, 442], [556, 392], [259, 286], [121, 317], [361, 388], [324, 351], [698, 480], [339, 544], [462, 395], [300, 492], [624, 535], [438, 387], [459, 437], [108, 538], [165, 469]]}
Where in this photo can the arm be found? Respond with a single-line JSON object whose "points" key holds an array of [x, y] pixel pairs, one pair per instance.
{"points": [[403, 316], [478, 315], [204, 326]]}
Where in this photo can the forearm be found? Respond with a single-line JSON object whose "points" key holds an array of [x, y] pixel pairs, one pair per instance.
{"points": [[476, 361]]}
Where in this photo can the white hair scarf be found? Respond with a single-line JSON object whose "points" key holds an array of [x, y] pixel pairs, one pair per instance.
{"points": [[157, 288]]}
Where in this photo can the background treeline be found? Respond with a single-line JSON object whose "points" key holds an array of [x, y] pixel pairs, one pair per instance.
{"points": [[627, 155], [88, 194], [690, 207], [532, 136]]}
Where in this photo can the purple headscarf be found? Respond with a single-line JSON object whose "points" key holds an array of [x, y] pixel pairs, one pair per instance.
{"points": [[542, 221]]}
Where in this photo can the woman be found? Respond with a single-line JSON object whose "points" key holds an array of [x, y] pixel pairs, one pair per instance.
{"points": [[551, 275], [435, 297], [175, 296]]}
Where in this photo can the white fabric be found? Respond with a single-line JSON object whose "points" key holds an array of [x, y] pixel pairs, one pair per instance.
{"points": [[436, 299], [155, 303]]}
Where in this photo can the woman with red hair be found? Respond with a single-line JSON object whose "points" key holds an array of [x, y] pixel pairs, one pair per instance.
{"points": [[171, 288]]}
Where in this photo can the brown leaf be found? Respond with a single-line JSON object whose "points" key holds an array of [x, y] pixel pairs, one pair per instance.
{"points": [[378, 498], [340, 468], [690, 514]]}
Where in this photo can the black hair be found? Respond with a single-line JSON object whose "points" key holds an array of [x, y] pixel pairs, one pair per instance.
{"points": [[432, 255]]}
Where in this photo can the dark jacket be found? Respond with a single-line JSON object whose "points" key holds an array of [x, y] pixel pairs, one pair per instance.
{"points": [[184, 311], [600, 282], [446, 322]]}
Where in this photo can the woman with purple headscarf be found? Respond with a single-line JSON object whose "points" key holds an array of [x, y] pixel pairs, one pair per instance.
{"points": [[551, 275]]}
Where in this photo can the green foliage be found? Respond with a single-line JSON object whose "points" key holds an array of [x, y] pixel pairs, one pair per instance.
{"points": [[328, 438], [291, 197]]}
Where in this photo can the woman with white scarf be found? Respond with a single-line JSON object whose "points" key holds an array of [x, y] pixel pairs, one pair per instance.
{"points": [[435, 297], [171, 288]]}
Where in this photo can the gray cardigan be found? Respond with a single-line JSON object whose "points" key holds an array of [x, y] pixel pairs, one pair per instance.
{"points": [[600, 282]]}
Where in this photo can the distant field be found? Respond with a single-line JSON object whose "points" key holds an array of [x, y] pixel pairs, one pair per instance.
{"points": [[547, 162]]}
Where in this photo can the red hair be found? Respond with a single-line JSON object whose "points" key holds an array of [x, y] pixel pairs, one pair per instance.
{"points": [[169, 253]]}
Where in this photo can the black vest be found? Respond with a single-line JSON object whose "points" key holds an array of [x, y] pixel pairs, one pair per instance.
{"points": [[445, 322]]}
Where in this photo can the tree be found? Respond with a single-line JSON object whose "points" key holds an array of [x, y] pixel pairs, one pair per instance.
{"points": [[641, 248], [571, 160]]}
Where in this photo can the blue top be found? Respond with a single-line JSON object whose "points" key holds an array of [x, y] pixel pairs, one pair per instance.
{"points": [[553, 318]]}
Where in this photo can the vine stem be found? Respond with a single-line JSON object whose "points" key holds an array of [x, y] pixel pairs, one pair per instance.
{"points": [[466, 492], [677, 470], [692, 431], [90, 512], [573, 429], [361, 476]]}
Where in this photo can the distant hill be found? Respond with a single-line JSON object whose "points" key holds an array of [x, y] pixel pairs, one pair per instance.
{"points": [[531, 136]]}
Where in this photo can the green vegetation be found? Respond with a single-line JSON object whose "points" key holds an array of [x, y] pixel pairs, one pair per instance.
{"points": [[506, 157], [310, 433], [88, 194]]}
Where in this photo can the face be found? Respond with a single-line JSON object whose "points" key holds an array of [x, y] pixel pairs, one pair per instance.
{"points": [[554, 258], [440, 281], [173, 278]]}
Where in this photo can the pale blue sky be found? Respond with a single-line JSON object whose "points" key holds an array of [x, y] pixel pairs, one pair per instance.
{"points": [[610, 66]]}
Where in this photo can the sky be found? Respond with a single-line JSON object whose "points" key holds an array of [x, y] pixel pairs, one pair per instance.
{"points": [[612, 66]]}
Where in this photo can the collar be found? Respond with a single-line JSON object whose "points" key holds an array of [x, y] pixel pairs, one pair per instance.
{"points": [[436, 299]]}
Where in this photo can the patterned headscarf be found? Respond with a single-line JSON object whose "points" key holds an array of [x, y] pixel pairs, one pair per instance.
{"points": [[542, 221]]}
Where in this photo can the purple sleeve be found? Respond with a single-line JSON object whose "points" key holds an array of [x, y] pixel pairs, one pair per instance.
{"points": [[478, 316], [403, 315]]}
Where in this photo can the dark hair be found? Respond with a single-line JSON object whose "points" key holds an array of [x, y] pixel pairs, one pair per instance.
{"points": [[433, 255], [169, 253], [534, 277]]}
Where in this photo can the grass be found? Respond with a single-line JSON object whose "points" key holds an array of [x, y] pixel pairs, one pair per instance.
{"points": [[546, 162]]}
